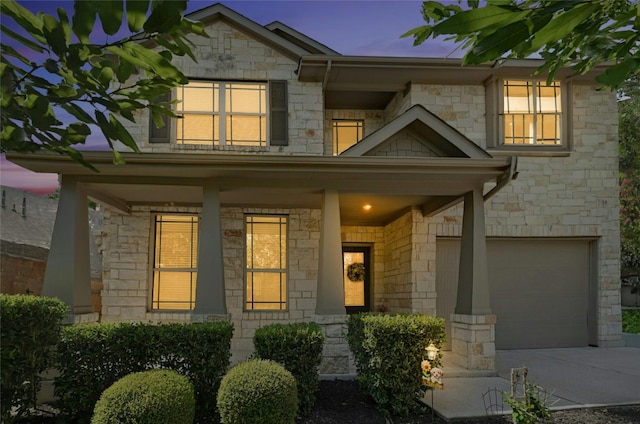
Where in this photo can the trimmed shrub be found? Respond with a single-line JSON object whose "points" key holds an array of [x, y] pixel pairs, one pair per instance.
{"points": [[388, 351], [93, 357], [298, 347], [148, 397], [30, 329], [258, 392]]}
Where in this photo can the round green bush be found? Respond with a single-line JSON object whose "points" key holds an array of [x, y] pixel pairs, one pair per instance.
{"points": [[258, 392], [148, 397]]}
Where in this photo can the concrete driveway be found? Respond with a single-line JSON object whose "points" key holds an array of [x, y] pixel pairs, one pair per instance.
{"points": [[573, 377]]}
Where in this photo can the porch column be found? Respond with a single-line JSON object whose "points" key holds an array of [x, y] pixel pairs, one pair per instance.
{"points": [[472, 324], [210, 294], [330, 299], [68, 272], [473, 278]]}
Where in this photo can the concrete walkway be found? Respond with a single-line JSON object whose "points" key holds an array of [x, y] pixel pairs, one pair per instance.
{"points": [[573, 378]]}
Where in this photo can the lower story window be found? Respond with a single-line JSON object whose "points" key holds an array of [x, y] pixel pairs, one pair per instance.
{"points": [[175, 262], [266, 262]]}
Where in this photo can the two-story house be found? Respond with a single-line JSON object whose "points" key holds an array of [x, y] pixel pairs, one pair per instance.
{"points": [[303, 185]]}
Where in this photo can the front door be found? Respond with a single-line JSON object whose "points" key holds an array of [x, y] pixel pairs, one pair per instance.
{"points": [[356, 265]]}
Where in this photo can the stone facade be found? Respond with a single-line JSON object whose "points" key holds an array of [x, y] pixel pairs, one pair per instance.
{"points": [[560, 195]]}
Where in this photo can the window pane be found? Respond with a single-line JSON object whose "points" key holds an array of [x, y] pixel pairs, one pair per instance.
{"points": [[196, 129], [532, 113], [249, 130], [245, 98], [175, 262], [198, 97], [266, 247], [174, 290], [345, 134]]}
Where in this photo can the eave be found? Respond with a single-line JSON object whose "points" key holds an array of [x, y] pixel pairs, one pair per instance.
{"points": [[161, 179]]}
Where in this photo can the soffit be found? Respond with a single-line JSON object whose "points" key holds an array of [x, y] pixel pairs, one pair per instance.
{"points": [[390, 185], [349, 80]]}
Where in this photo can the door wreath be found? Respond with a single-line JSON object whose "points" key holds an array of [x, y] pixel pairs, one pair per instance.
{"points": [[355, 272]]}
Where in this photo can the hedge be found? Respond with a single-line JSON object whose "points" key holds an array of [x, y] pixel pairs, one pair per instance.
{"points": [[30, 328], [298, 347], [388, 351], [148, 397], [92, 357], [258, 391]]}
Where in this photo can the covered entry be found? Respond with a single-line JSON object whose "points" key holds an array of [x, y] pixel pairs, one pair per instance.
{"points": [[539, 290]]}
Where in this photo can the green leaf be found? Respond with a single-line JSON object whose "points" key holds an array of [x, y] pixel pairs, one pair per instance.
{"points": [[618, 73], [165, 15], [124, 70], [500, 42], [10, 51], [64, 23], [111, 13], [157, 62], [84, 17], [136, 14], [77, 133], [562, 25], [24, 18], [473, 20], [22, 40], [123, 134], [78, 112], [54, 34]]}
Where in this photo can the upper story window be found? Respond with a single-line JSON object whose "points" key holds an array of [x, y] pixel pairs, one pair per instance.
{"points": [[528, 115], [227, 113], [222, 113], [266, 262], [532, 111], [175, 263], [346, 133]]}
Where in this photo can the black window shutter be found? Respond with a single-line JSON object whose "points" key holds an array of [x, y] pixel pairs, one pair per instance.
{"points": [[160, 135], [278, 113]]}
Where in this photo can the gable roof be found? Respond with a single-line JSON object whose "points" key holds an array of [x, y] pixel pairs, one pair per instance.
{"points": [[286, 40], [435, 133], [300, 39]]}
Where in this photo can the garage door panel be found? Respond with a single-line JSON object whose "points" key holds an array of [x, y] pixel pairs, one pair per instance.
{"points": [[539, 289]]}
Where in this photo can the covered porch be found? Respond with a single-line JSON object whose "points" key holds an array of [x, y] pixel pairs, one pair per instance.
{"points": [[337, 186]]}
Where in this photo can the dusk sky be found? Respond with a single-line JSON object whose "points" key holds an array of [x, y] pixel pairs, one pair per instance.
{"points": [[358, 27]]}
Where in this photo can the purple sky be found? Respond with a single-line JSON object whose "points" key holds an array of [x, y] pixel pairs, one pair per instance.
{"points": [[357, 27]]}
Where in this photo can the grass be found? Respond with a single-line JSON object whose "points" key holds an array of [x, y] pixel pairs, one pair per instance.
{"points": [[631, 321]]}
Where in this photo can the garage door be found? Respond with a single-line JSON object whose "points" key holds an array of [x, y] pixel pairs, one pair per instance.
{"points": [[539, 290]]}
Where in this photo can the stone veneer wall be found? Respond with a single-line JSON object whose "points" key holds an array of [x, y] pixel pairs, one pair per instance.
{"points": [[567, 196], [126, 293], [231, 55]]}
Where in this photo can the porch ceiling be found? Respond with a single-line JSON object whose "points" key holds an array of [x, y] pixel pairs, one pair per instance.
{"points": [[390, 185]]}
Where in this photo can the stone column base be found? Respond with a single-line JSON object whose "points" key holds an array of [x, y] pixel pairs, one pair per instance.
{"points": [[86, 318], [336, 356], [201, 318], [473, 341]]}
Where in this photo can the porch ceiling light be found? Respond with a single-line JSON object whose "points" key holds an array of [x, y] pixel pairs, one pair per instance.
{"points": [[367, 207]]}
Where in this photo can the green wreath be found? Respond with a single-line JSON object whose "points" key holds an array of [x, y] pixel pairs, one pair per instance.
{"points": [[355, 272]]}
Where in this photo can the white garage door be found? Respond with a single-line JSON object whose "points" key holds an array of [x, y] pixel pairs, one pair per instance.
{"points": [[539, 290]]}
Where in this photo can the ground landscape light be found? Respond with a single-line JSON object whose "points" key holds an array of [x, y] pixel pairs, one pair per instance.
{"points": [[432, 352]]}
